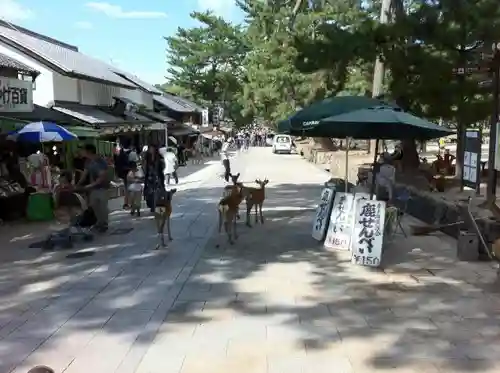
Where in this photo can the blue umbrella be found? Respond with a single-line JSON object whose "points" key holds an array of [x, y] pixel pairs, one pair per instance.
{"points": [[42, 132]]}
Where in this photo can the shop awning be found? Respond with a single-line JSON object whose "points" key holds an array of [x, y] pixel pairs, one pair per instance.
{"points": [[157, 116], [88, 114], [82, 131], [42, 113], [182, 131]]}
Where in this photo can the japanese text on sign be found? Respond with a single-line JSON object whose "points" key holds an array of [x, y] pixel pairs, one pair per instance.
{"points": [[321, 219], [339, 232], [15, 95], [368, 233]]}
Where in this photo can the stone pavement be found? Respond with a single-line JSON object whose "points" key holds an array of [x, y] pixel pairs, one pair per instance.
{"points": [[273, 302], [75, 314]]}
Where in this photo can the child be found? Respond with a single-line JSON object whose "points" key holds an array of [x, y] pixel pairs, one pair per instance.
{"points": [[134, 178]]}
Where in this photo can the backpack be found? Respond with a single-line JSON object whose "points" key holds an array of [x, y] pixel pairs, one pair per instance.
{"points": [[122, 163]]}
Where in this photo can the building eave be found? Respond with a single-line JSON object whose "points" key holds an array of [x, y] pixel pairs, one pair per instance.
{"points": [[58, 68]]}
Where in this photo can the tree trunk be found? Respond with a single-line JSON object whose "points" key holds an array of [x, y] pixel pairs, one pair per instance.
{"points": [[324, 143], [410, 155]]}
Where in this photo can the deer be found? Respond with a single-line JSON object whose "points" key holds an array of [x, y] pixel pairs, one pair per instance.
{"points": [[255, 198], [163, 211], [228, 188], [228, 211]]}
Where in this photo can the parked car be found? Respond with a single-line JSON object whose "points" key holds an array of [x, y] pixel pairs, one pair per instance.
{"points": [[282, 144]]}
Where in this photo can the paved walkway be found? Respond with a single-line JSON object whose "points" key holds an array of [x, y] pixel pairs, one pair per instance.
{"points": [[274, 302]]}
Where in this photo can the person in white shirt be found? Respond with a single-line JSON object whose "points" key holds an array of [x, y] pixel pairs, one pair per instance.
{"points": [[135, 179], [171, 165], [224, 154]]}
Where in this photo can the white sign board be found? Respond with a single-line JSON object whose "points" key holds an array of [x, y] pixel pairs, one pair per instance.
{"points": [[321, 219], [204, 118], [340, 228], [368, 233], [15, 95]]}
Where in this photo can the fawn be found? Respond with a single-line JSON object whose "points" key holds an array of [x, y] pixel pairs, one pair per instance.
{"points": [[255, 197], [228, 211], [163, 211]]}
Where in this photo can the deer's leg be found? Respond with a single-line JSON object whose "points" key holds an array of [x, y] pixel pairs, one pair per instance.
{"points": [[227, 228], [235, 233], [168, 229], [256, 213], [220, 220], [261, 216], [249, 210]]}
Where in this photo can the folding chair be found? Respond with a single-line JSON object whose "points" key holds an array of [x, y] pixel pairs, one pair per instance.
{"points": [[403, 198]]}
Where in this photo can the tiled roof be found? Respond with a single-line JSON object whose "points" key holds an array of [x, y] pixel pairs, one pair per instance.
{"points": [[64, 57], [167, 101], [186, 102], [6, 61], [145, 113], [158, 117], [137, 81]]}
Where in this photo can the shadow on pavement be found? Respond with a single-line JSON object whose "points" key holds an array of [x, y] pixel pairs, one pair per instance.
{"points": [[276, 289]]}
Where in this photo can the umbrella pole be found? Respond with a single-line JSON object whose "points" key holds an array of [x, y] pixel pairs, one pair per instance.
{"points": [[347, 164], [372, 187]]}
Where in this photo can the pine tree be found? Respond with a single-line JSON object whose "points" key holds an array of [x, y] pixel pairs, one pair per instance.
{"points": [[205, 63]]}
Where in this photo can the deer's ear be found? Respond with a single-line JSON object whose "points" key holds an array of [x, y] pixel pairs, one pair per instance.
{"points": [[238, 174]]}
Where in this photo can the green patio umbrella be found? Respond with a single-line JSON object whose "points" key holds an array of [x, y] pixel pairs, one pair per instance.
{"points": [[376, 123], [309, 117]]}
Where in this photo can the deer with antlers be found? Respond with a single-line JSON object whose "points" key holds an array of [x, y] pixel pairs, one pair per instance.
{"points": [[255, 198], [228, 209]]}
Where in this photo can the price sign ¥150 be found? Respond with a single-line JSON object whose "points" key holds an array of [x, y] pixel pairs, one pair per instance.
{"points": [[368, 233]]}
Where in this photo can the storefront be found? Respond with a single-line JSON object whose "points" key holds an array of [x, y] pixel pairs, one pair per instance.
{"points": [[16, 97]]}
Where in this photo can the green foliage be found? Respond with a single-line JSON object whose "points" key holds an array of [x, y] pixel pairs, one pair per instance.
{"points": [[281, 60]]}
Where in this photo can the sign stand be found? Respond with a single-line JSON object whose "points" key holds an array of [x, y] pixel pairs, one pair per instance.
{"points": [[472, 158]]}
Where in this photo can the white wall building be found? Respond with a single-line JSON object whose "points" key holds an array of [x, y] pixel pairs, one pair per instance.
{"points": [[74, 83]]}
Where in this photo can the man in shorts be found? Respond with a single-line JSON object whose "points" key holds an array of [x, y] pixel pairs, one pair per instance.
{"points": [[96, 169]]}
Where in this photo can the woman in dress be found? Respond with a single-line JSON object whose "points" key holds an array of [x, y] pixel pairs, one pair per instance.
{"points": [[153, 176]]}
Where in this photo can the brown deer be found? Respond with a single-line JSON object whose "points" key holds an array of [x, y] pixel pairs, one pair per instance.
{"points": [[256, 197], [228, 211], [163, 211], [229, 188]]}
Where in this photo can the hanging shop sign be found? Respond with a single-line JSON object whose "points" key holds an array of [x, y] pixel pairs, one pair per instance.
{"points": [[15, 95]]}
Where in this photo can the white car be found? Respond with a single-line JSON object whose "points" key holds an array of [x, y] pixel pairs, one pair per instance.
{"points": [[282, 144]]}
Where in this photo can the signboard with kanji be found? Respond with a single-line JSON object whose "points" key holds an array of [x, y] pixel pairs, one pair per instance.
{"points": [[472, 159], [368, 233], [15, 95], [340, 228], [322, 217]]}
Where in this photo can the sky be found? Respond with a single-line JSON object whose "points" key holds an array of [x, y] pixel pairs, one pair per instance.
{"points": [[126, 33]]}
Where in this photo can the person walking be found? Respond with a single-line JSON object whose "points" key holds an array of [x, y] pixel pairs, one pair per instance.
{"points": [[171, 165], [224, 154], [96, 169], [153, 176], [135, 178], [123, 160]]}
